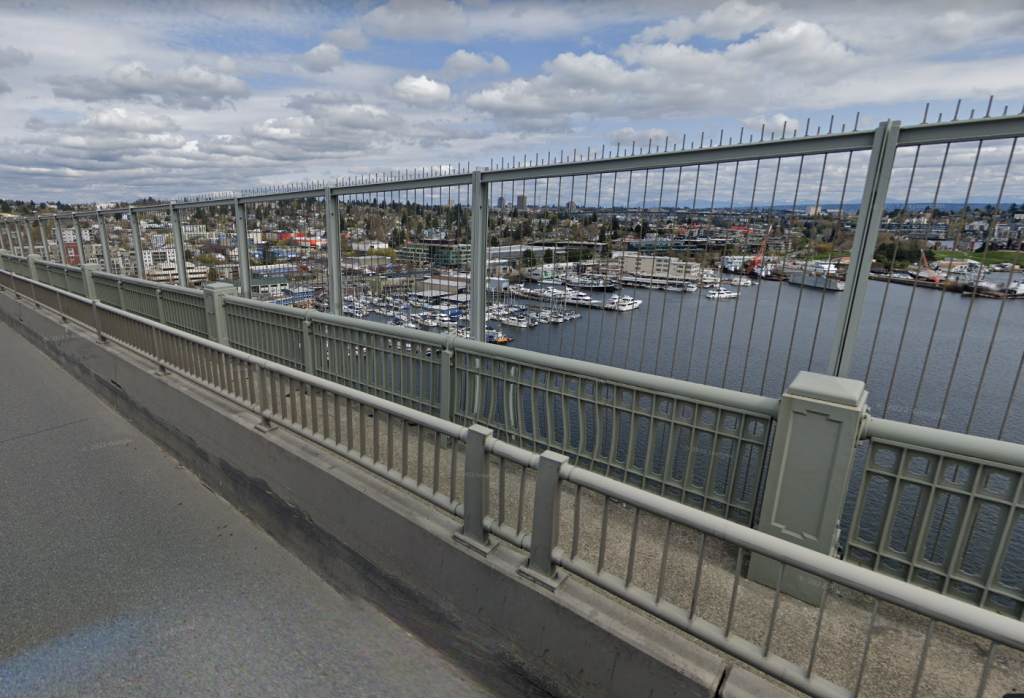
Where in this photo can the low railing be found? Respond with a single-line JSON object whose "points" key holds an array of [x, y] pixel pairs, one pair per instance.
{"points": [[701, 445], [944, 511], [661, 557]]}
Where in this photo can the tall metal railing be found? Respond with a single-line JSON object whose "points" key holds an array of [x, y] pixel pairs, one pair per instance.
{"points": [[669, 560], [607, 392], [907, 341]]}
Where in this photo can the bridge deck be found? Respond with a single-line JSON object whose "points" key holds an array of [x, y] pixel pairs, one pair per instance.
{"points": [[120, 574]]}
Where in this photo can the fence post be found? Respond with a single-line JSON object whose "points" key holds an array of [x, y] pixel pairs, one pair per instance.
{"points": [[816, 437], [133, 220], [179, 246], [216, 315], [160, 305], [78, 239], [242, 234], [33, 273], [88, 281], [307, 344], [59, 234], [477, 489], [101, 222], [266, 404], [448, 384], [97, 319], [25, 251], [332, 228], [478, 259], [544, 536], [42, 239], [865, 239]]}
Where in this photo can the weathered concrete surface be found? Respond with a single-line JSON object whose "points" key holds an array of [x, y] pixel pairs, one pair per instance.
{"points": [[368, 538], [120, 574]]}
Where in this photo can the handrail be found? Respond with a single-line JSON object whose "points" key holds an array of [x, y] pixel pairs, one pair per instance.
{"points": [[966, 445], [746, 402], [1001, 629]]}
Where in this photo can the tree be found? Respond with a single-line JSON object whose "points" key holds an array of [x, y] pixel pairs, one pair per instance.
{"points": [[549, 256], [211, 274]]}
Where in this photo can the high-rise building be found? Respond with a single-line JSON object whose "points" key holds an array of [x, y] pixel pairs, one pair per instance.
{"points": [[521, 202], [501, 203]]}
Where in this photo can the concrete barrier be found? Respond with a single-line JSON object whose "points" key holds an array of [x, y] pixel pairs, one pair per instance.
{"points": [[366, 537]]}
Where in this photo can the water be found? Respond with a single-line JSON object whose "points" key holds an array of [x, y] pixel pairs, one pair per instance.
{"points": [[750, 344]]}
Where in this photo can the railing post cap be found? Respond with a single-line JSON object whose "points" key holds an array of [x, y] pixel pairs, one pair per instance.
{"points": [[220, 287], [817, 386], [482, 430], [550, 455]]}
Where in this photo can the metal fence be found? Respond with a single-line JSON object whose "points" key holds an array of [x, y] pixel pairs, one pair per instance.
{"points": [[680, 565], [796, 190], [943, 513], [701, 445]]}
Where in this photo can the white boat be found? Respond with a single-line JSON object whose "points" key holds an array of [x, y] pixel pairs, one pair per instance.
{"points": [[720, 293], [622, 303], [741, 281]]}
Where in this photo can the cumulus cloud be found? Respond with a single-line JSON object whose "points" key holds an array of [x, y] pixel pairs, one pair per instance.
{"points": [[772, 124], [119, 119], [729, 21], [350, 37], [421, 91], [11, 57], [191, 86], [322, 58], [795, 65], [462, 64]]}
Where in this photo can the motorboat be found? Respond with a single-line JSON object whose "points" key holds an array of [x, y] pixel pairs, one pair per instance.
{"points": [[622, 303], [719, 293]]}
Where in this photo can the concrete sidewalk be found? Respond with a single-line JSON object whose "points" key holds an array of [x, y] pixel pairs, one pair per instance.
{"points": [[120, 574]]}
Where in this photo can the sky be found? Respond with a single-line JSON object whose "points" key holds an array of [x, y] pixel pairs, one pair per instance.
{"points": [[117, 101]]}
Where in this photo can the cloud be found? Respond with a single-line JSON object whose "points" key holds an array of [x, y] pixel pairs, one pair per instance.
{"points": [[773, 124], [191, 86], [628, 135], [421, 91], [322, 58], [465, 64], [4, 87], [350, 38], [417, 19], [119, 119], [729, 21], [445, 20], [11, 57], [794, 66], [318, 100]]}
